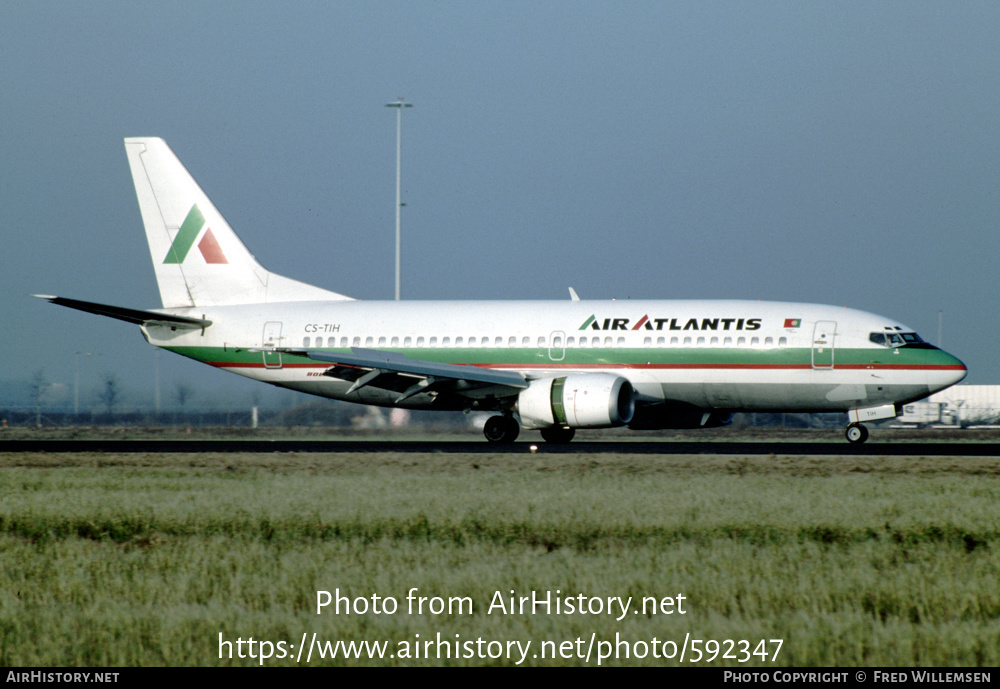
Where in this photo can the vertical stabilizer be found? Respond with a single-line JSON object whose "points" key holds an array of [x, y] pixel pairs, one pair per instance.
{"points": [[199, 260]]}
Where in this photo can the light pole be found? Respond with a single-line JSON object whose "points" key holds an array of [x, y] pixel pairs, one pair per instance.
{"points": [[399, 105]]}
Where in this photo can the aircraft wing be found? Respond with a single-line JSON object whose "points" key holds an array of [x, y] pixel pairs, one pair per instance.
{"points": [[394, 371]]}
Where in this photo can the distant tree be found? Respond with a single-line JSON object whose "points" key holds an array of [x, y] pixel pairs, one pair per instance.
{"points": [[183, 392], [38, 386], [111, 393]]}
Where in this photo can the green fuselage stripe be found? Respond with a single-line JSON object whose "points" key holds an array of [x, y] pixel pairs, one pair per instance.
{"points": [[651, 357]]}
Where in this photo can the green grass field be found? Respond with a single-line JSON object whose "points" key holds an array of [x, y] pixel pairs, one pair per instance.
{"points": [[146, 559]]}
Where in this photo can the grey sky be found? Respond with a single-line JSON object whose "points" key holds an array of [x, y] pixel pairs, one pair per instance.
{"points": [[837, 152]]}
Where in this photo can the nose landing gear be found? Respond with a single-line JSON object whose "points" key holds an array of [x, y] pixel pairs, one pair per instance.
{"points": [[856, 434]]}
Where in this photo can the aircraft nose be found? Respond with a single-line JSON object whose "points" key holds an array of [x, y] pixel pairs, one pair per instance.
{"points": [[948, 372]]}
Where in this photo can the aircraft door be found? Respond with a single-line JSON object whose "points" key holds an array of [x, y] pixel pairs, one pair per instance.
{"points": [[272, 338], [822, 344]]}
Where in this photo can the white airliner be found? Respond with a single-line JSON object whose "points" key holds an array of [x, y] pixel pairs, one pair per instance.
{"points": [[550, 365]]}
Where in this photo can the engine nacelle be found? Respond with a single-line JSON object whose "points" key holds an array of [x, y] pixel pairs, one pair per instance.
{"points": [[582, 400]]}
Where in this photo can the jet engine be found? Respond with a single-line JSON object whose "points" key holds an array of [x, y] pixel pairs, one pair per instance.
{"points": [[582, 400]]}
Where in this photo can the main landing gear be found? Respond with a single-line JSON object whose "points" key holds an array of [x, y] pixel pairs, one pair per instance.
{"points": [[501, 429], [856, 434], [558, 434]]}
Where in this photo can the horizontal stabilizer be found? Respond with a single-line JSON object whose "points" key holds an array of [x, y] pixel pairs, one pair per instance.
{"points": [[128, 315]]}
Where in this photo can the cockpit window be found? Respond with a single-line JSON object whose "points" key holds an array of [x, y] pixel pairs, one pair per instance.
{"points": [[894, 339]]}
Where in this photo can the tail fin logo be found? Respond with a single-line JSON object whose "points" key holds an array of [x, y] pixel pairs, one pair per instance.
{"points": [[190, 230]]}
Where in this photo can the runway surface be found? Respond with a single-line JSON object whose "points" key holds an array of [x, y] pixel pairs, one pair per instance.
{"points": [[941, 449]]}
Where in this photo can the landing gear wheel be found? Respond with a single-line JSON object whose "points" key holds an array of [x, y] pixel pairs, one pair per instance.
{"points": [[557, 434], [501, 429], [856, 434]]}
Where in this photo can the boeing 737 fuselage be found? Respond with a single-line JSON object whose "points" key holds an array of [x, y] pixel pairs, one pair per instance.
{"points": [[554, 366]]}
